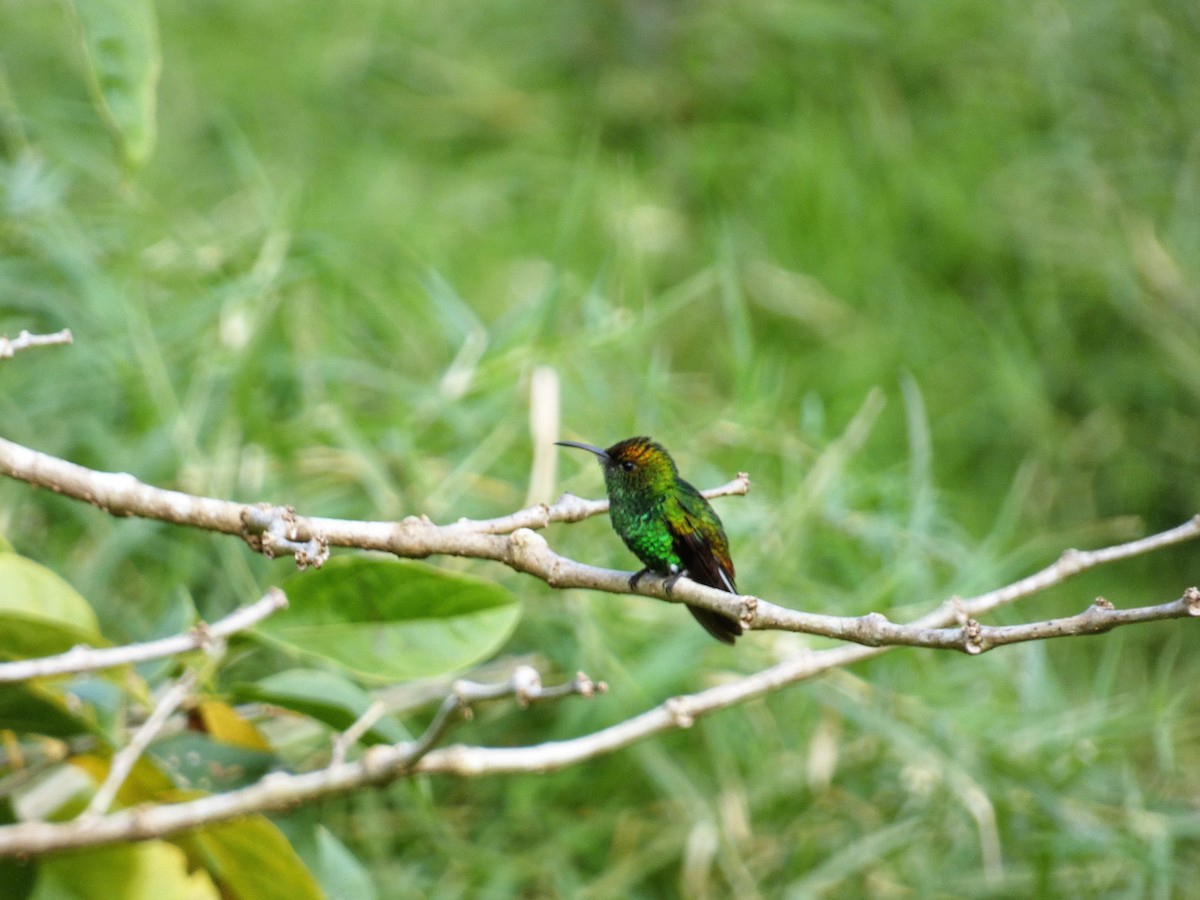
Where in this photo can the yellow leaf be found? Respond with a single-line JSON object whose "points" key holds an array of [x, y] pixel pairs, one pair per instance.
{"points": [[223, 724], [145, 782]]}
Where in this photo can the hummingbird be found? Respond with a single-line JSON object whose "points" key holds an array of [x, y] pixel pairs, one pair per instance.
{"points": [[667, 524]]}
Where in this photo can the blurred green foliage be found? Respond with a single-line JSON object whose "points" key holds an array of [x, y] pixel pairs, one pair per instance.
{"points": [[926, 271]]}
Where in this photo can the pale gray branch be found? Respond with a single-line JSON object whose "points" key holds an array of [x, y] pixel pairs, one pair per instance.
{"points": [[89, 659], [272, 529], [525, 683], [512, 541], [360, 726], [123, 761], [277, 790], [381, 764], [25, 340]]}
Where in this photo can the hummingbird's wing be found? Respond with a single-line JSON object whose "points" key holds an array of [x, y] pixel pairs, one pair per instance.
{"points": [[700, 541], [700, 544]]}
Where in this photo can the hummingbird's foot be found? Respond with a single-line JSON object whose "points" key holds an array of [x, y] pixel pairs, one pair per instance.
{"points": [[636, 577], [669, 584]]}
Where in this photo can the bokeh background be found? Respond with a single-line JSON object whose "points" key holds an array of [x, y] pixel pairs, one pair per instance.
{"points": [[929, 272]]}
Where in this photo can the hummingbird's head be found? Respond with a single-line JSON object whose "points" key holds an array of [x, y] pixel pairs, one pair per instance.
{"points": [[633, 465]]}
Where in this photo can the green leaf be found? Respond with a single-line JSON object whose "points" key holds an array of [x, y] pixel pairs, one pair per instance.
{"points": [[33, 708], [251, 858], [194, 760], [339, 871], [151, 870], [104, 695], [178, 616], [123, 59], [40, 613], [28, 637], [325, 696], [386, 619], [17, 875]]}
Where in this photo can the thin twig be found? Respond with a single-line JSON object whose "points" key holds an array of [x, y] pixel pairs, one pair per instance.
{"points": [[25, 340], [524, 683], [352, 735], [569, 508], [89, 659], [124, 760], [875, 630]]}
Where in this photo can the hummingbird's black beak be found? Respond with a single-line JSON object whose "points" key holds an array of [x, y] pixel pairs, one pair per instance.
{"points": [[603, 454]]}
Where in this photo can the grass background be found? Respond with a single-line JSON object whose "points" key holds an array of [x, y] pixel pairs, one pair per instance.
{"points": [[927, 272]]}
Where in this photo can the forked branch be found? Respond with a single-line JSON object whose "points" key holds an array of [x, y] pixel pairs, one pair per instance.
{"points": [[513, 541]]}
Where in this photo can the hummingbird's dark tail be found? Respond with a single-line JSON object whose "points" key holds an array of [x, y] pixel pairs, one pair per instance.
{"points": [[723, 628]]}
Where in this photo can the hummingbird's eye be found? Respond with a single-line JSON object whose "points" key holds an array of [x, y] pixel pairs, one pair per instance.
{"points": [[627, 466]]}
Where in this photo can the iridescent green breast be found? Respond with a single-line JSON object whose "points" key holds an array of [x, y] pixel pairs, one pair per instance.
{"points": [[646, 533]]}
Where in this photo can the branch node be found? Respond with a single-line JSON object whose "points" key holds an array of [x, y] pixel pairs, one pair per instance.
{"points": [[275, 530], [749, 611], [269, 529], [869, 628], [201, 635], [525, 546], [313, 552], [972, 633], [554, 571], [527, 685], [681, 715], [1192, 598], [585, 687], [254, 519], [1102, 603]]}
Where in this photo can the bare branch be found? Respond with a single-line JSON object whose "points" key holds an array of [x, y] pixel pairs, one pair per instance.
{"points": [[273, 529], [88, 659], [525, 683], [352, 735], [25, 340], [1073, 562], [277, 790], [381, 764], [874, 630], [277, 529], [513, 541], [123, 762]]}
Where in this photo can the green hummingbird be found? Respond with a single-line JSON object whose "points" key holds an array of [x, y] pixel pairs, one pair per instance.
{"points": [[666, 523]]}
